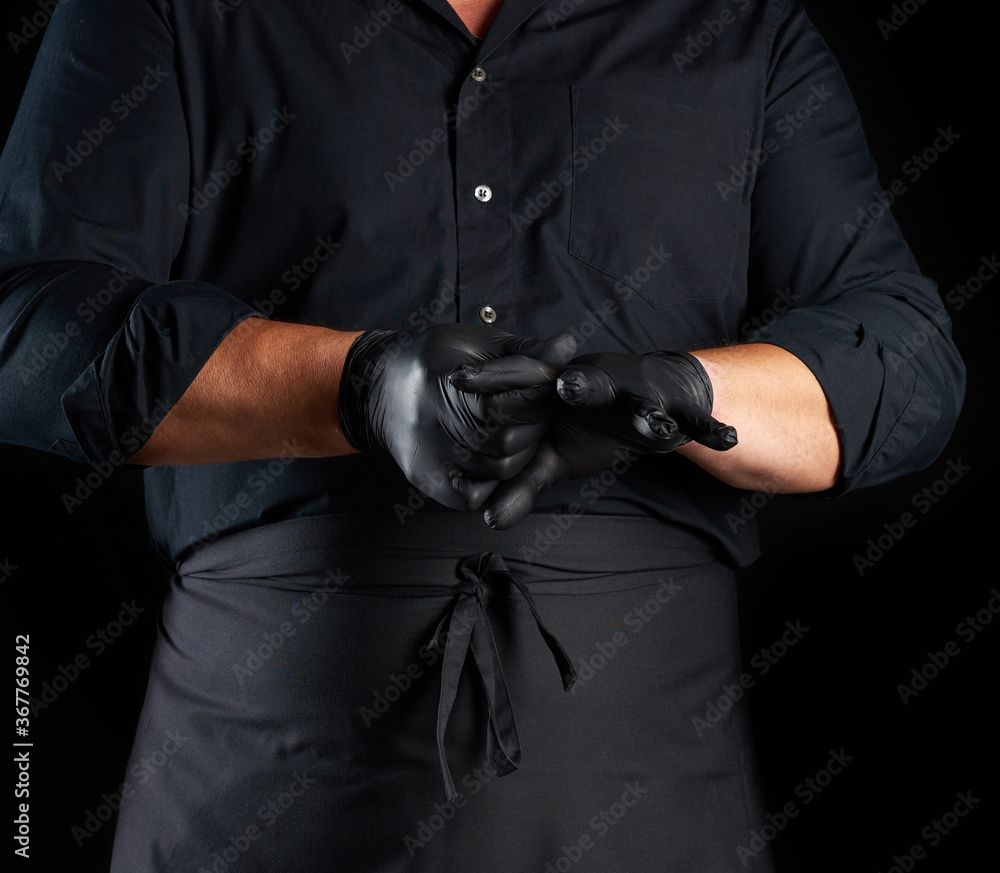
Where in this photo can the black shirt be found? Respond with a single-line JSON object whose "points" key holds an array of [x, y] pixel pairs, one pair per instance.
{"points": [[645, 175]]}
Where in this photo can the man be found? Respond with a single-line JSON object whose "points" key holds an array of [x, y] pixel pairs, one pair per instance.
{"points": [[415, 193]]}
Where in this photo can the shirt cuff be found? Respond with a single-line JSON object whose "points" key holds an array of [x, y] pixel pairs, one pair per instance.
{"points": [[172, 329], [894, 396]]}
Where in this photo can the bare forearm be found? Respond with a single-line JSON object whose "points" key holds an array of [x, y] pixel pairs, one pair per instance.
{"points": [[787, 441], [268, 386]]}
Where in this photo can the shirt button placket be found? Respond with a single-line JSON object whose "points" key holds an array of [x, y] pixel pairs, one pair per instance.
{"points": [[482, 166]]}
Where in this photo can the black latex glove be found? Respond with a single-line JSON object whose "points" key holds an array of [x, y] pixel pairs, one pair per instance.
{"points": [[395, 396], [618, 406]]}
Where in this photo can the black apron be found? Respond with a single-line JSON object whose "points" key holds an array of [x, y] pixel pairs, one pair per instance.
{"points": [[367, 693]]}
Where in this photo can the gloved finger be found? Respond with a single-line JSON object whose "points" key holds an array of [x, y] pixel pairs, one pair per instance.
{"points": [[453, 487], [702, 427], [557, 350], [498, 439], [503, 374], [472, 461], [655, 425], [450, 487], [587, 386], [521, 407], [472, 493], [512, 501]]}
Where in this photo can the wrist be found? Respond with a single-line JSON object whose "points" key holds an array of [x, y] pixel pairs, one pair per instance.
{"points": [[362, 374], [692, 375]]}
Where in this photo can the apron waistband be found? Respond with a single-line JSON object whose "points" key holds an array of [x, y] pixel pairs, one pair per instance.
{"points": [[556, 553], [456, 554]]}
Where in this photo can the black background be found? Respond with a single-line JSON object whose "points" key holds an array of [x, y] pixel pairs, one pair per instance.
{"points": [[835, 690]]}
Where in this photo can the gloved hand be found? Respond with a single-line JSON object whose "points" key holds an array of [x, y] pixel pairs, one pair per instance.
{"points": [[615, 403], [395, 396]]}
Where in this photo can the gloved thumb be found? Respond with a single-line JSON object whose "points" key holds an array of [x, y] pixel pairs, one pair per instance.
{"points": [[503, 374], [553, 350], [587, 386]]}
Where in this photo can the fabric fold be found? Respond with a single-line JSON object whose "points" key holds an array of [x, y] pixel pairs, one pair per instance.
{"points": [[468, 627]]}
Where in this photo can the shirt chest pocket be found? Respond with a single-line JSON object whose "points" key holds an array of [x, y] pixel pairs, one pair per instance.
{"points": [[646, 204]]}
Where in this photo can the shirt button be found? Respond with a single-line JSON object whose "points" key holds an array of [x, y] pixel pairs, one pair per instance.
{"points": [[488, 314], [483, 193], [479, 74]]}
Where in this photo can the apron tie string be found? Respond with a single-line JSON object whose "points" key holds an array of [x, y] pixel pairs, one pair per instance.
{"points": [[469, 628]]}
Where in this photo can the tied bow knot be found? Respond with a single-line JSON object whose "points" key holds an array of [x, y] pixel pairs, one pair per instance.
{"points": [[468, 627]]}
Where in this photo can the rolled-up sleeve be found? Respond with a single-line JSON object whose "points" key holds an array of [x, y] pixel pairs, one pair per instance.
{"points": [[869, 326], [97, 339]]}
